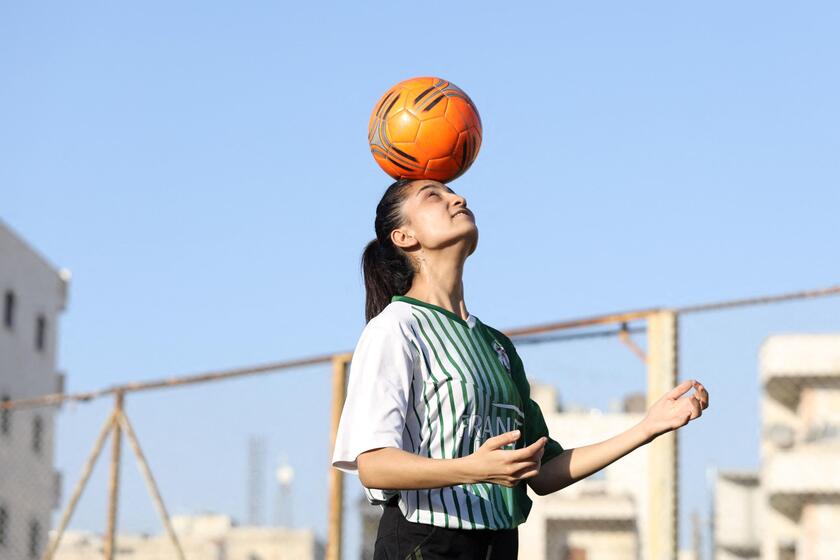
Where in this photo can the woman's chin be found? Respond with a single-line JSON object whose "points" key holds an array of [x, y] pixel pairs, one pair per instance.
{"points": [[475, 243]]}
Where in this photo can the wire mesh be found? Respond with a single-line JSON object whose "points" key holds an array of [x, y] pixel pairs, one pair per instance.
{"points": [[241, 464]]}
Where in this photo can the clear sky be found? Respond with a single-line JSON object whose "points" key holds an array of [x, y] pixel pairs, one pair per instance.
{"points": [[202, 168]]}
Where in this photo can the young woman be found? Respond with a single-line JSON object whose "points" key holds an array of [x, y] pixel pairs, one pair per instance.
{"points": [[438, 422]]}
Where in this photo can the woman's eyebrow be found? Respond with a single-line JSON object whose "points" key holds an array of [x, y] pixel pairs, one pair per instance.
{"points": [[432, 186]]}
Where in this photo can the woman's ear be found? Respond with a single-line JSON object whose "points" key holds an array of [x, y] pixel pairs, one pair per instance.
{"points": [[403, 239]]}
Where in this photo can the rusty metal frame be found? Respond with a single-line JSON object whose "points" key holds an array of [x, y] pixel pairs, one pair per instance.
{"points": [[117, 421]]}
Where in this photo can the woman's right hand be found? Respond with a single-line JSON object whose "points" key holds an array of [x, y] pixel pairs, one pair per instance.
{"points": [[492, 463]]}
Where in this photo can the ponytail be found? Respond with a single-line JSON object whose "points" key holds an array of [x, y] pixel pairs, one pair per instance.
{"points": [[386, 268]]}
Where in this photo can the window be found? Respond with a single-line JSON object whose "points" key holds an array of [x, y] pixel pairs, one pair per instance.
{"points": [[37, 434], [40, 333], [822, 431], [787, 551], [4, 524], [5, 417], [34, 538], [9, 309]]}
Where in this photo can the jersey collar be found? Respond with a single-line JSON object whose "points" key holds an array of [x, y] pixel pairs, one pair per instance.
{"points": [[469, 323]]}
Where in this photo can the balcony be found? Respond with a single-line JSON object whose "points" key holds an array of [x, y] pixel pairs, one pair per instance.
{"points": [[791, 363], [805, 475]]}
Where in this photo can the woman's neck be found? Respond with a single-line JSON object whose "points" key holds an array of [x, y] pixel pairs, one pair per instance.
{"points": [[441, 285]]}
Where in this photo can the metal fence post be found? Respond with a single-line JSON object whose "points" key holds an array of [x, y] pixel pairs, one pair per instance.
{"points": [[336, 477], [114, 480], [662, 363]]}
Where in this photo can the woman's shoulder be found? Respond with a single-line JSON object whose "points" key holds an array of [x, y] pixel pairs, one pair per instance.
{"points": [[392, 327], [396, 316]]}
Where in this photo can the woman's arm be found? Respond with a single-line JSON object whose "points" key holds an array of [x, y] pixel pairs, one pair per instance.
{"points": [[668, 413], [395, 469], [580, 462]]}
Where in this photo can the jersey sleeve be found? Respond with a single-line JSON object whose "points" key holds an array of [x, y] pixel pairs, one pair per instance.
{"points": [[535, 426], [378, 388]]}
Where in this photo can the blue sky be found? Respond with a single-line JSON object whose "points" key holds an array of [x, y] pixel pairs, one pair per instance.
{"points": [[202, 169]]}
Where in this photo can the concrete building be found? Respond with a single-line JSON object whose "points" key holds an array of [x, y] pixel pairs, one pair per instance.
{"points": [[603, 515], [32, 295], [737, 510], [791, 508], [596, 518], [800, 446], [206, 537]]}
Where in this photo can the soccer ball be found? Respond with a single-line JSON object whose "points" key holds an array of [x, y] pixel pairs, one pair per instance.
{"points": [[425, 128]]}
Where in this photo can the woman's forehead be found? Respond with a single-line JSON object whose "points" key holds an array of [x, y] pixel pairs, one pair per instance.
{"points": [[424, 184]]}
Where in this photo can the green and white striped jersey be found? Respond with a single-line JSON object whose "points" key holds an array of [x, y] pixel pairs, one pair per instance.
{"points": [[426, 381]]}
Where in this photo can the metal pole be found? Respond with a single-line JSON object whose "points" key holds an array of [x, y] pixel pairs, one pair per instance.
{"points": [[612, 318], [662, 360], [336, 477], [150, 483], [114, 480], [80, 485]]}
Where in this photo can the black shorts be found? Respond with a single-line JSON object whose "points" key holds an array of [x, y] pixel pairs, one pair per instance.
{"points": [[400, 539]]}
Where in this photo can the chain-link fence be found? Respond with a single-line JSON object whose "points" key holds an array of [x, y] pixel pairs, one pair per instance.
{"points": [[233, 469], [770, 443], [235, 465]]}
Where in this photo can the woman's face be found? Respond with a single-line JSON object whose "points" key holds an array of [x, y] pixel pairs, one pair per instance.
{"points": [[437, 217]]}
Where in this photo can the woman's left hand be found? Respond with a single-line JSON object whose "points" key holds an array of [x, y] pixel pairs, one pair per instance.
{"points": [[671, 411]]}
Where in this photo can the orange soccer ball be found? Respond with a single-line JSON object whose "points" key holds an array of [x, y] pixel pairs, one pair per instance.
{"points": [[425, 128]]}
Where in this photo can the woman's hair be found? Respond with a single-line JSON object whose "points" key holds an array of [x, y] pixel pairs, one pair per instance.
{"points": [[387, 268]]}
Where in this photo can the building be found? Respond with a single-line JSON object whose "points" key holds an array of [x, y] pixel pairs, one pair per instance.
{"points": [[800, 446], [603, 515], [737, 509], [32, 295], [206, 536], [791, 508]]}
